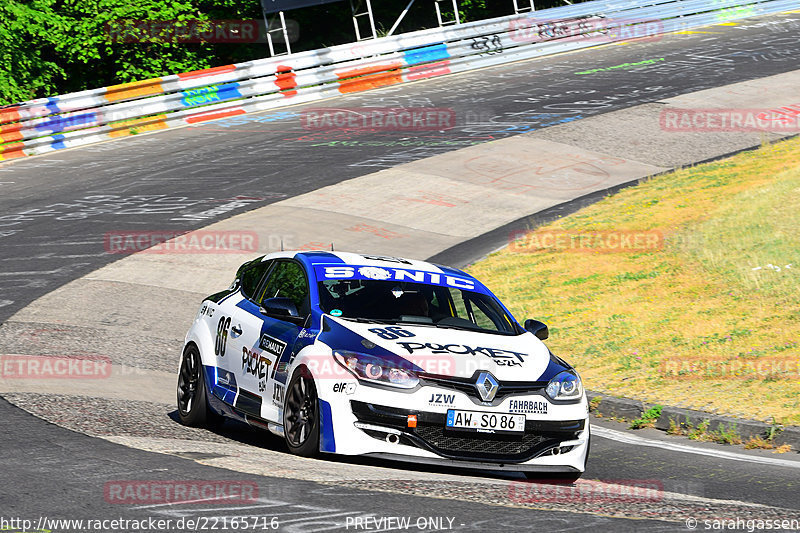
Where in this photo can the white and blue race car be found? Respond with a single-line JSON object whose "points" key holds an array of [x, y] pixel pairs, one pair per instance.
{"points": [[383, 357]]}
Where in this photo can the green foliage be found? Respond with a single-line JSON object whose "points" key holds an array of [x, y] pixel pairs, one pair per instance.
{"points": [[27, 63], [648, 418], [50, 47], [57, 46]]}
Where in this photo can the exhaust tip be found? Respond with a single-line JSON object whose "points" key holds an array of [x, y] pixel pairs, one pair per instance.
{"points": [[391, 438], [556, 451]]}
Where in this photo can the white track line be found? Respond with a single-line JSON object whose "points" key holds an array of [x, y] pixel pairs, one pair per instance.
{"points": [[620, 436]]}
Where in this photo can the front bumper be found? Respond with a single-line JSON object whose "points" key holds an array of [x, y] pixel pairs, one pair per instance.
{"points": [[369, 421], [540, 437]]}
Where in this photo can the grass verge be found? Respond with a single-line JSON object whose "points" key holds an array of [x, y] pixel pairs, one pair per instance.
{"points": [[705, 315]]}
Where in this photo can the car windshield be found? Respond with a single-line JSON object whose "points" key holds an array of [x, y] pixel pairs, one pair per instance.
{"points": [[418, 303]]}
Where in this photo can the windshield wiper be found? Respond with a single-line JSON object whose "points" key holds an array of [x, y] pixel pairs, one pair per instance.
{"points": [[476, 329], [369, 320], [464, 328]]}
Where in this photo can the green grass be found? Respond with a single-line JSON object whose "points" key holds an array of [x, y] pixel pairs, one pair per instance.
{"points": [[708, 299]]}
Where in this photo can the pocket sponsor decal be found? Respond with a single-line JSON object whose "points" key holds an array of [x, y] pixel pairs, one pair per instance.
{"points": [[254, 363], [500, 357]]}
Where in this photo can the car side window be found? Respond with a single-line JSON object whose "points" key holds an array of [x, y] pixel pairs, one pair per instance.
{"points": [[251, 278], [288, 280]]}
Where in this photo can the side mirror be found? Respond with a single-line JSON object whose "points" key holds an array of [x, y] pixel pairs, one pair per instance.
{"points": [[537, 328], [282, 308]]}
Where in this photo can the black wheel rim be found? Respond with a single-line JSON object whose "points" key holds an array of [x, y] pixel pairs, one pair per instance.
{"points": [[187, 382], [301, 411]]}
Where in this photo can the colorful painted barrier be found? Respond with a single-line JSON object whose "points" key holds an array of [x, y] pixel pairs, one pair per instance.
{"points": [[47, 124]]}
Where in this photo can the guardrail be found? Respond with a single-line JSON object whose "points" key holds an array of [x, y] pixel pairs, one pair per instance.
{"points": [[46, 124]]}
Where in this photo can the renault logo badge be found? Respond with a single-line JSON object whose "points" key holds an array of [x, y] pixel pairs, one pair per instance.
{"points": [[487, 386]]}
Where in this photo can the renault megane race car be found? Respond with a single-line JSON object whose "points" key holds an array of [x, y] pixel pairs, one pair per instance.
{"points": [[384, 357]]}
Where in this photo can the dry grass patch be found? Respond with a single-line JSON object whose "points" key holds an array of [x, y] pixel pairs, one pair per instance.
{"points": [[687, 324]]}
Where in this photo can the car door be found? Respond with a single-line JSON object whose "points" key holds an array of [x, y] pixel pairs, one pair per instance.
{"points": [[267, 339], [238, 328]]}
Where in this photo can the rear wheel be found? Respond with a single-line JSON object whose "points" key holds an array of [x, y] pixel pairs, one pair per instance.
{"points": [[301, 415], [193, 409]]}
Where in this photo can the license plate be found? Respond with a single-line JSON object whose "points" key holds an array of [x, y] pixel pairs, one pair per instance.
{"points": [[478, 421]]}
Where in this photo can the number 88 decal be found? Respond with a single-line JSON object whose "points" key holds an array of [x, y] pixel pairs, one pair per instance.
{"points": [[222, 335]]}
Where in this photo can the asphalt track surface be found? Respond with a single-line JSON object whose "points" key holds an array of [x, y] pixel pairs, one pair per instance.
{"points": [[57, 208]]}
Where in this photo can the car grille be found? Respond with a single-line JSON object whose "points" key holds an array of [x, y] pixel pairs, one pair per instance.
{"points": [[431, 434], [479, 444]]}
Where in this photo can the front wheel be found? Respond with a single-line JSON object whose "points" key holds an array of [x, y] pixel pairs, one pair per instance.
{"points": [[301, 415], [193, 409]]}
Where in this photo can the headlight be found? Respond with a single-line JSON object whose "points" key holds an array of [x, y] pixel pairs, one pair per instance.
{"points": [[565, 386], [374, 369]]}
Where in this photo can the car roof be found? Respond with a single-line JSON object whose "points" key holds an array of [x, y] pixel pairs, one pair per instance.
{"points": [[314, 258]]}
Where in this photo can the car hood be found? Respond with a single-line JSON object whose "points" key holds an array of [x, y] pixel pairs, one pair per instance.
{"points": [[445, 351]]}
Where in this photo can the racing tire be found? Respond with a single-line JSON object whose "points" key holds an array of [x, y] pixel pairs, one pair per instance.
{"points": [[301, 415], [193, 409]]}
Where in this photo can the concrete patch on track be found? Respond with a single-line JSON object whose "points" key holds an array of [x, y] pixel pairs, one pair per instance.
{"points": [[465, 193], [638, 132], [123, 383]]}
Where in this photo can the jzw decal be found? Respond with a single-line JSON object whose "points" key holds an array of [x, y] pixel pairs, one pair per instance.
{"points": [[445, 399], [502, 357], [254, 363], [392, 332], [347, 388], [277, 394], [272, 345], [222, 335], [207, 310]]}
